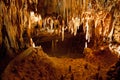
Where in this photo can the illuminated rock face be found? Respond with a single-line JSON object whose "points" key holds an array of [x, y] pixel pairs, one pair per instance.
{"points": [[116, 34]]}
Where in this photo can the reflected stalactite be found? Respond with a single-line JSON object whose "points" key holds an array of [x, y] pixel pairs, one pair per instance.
{"points": [[62, 33]]}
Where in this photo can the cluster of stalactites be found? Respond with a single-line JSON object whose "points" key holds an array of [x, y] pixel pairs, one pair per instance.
{"points": [[102, 15], [106, 25], [14, 19], [87, 17]]}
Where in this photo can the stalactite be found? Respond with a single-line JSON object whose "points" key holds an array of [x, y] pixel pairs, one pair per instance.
{"points": [[32, 43], [106, 25], [87, 31], [111, 33]]}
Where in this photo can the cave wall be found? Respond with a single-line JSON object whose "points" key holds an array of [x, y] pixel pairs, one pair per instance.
{"points": [[13, 20]]}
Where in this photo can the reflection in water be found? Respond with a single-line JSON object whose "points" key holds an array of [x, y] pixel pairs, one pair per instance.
{"points": [[71, 47]]}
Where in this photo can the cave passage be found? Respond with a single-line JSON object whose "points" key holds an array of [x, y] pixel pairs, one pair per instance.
{"points": [[72, 46]]}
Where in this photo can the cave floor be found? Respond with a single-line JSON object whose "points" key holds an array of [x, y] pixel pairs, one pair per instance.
{"points": [[40, 66]]}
